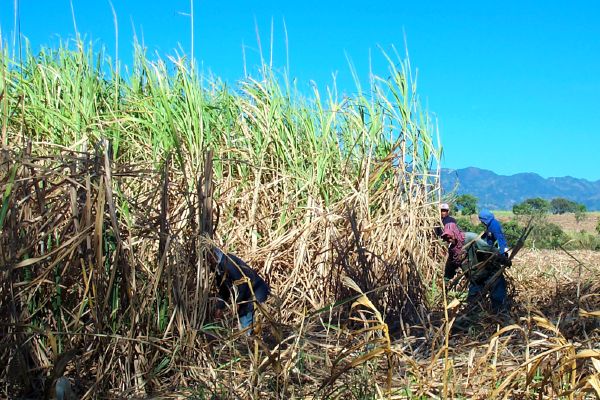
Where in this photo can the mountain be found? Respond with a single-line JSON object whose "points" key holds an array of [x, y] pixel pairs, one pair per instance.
{"points": [[501, 192]]}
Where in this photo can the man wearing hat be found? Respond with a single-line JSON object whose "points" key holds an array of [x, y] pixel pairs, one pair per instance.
{"points": [[446, 218]]}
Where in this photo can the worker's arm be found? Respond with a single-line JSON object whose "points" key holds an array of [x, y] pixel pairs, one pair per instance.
{"points": [[496, 230]]}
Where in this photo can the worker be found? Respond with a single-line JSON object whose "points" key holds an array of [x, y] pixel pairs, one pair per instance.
{"points": [[480, 263], [445, 217], [235, 279], [493, 234]]}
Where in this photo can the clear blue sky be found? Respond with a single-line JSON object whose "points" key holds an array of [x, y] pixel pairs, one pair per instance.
{"points": [[515, 85]]}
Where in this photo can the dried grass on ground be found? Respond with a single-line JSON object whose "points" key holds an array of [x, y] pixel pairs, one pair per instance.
{"points": [[569, 223], [553, 328], [554, 282]]}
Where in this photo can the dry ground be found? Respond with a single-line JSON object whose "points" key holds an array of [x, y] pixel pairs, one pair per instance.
{"points": [[552, 291], [567, 221], [544, 278]]}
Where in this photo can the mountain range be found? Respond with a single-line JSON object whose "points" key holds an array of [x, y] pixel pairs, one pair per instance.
{"points": [[501, 192]]}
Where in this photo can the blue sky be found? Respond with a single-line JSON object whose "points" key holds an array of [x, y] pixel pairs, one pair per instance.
{"points": [[515, 85]]}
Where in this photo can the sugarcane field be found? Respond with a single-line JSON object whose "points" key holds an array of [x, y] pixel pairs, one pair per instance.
{"points": [[167, 235]]}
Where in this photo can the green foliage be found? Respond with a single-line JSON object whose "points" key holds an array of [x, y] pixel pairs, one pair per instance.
{"points": [[598, 225], [166, 107], [512, 230], [547, 235], [533, 206], [584, 240], [521, 209], [466, 204], [560, 205], [465, 225]]}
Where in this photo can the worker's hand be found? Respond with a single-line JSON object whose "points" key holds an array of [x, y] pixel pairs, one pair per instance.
{"points": [[504, 260]]}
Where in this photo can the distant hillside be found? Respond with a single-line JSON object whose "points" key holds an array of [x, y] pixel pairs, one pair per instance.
{"points": [[501, 192]]}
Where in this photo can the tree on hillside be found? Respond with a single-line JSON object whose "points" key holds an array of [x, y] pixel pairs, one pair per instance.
{"points": [[580, 213], [560, 205], [533, 206], [467, 204]]}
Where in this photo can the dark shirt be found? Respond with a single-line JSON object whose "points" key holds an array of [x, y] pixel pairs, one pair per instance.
{"points": [[230, 271], [445, 221]]}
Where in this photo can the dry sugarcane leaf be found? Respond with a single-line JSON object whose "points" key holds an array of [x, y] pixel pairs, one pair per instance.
{"points": [[508, 328], [53, 346], [587, 353], [30, 261], [596, 363], [587, 384], [364, 301], [453, 304], [351, 284], [357, 361], [505, 383], [532, 371], [594, 382], [588, 296], [532, 360], [589, 314], [366, 357], [544, 323]]}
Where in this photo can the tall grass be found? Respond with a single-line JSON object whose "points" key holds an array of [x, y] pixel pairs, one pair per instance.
{"points": [[104, 280], [309, 190]]}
